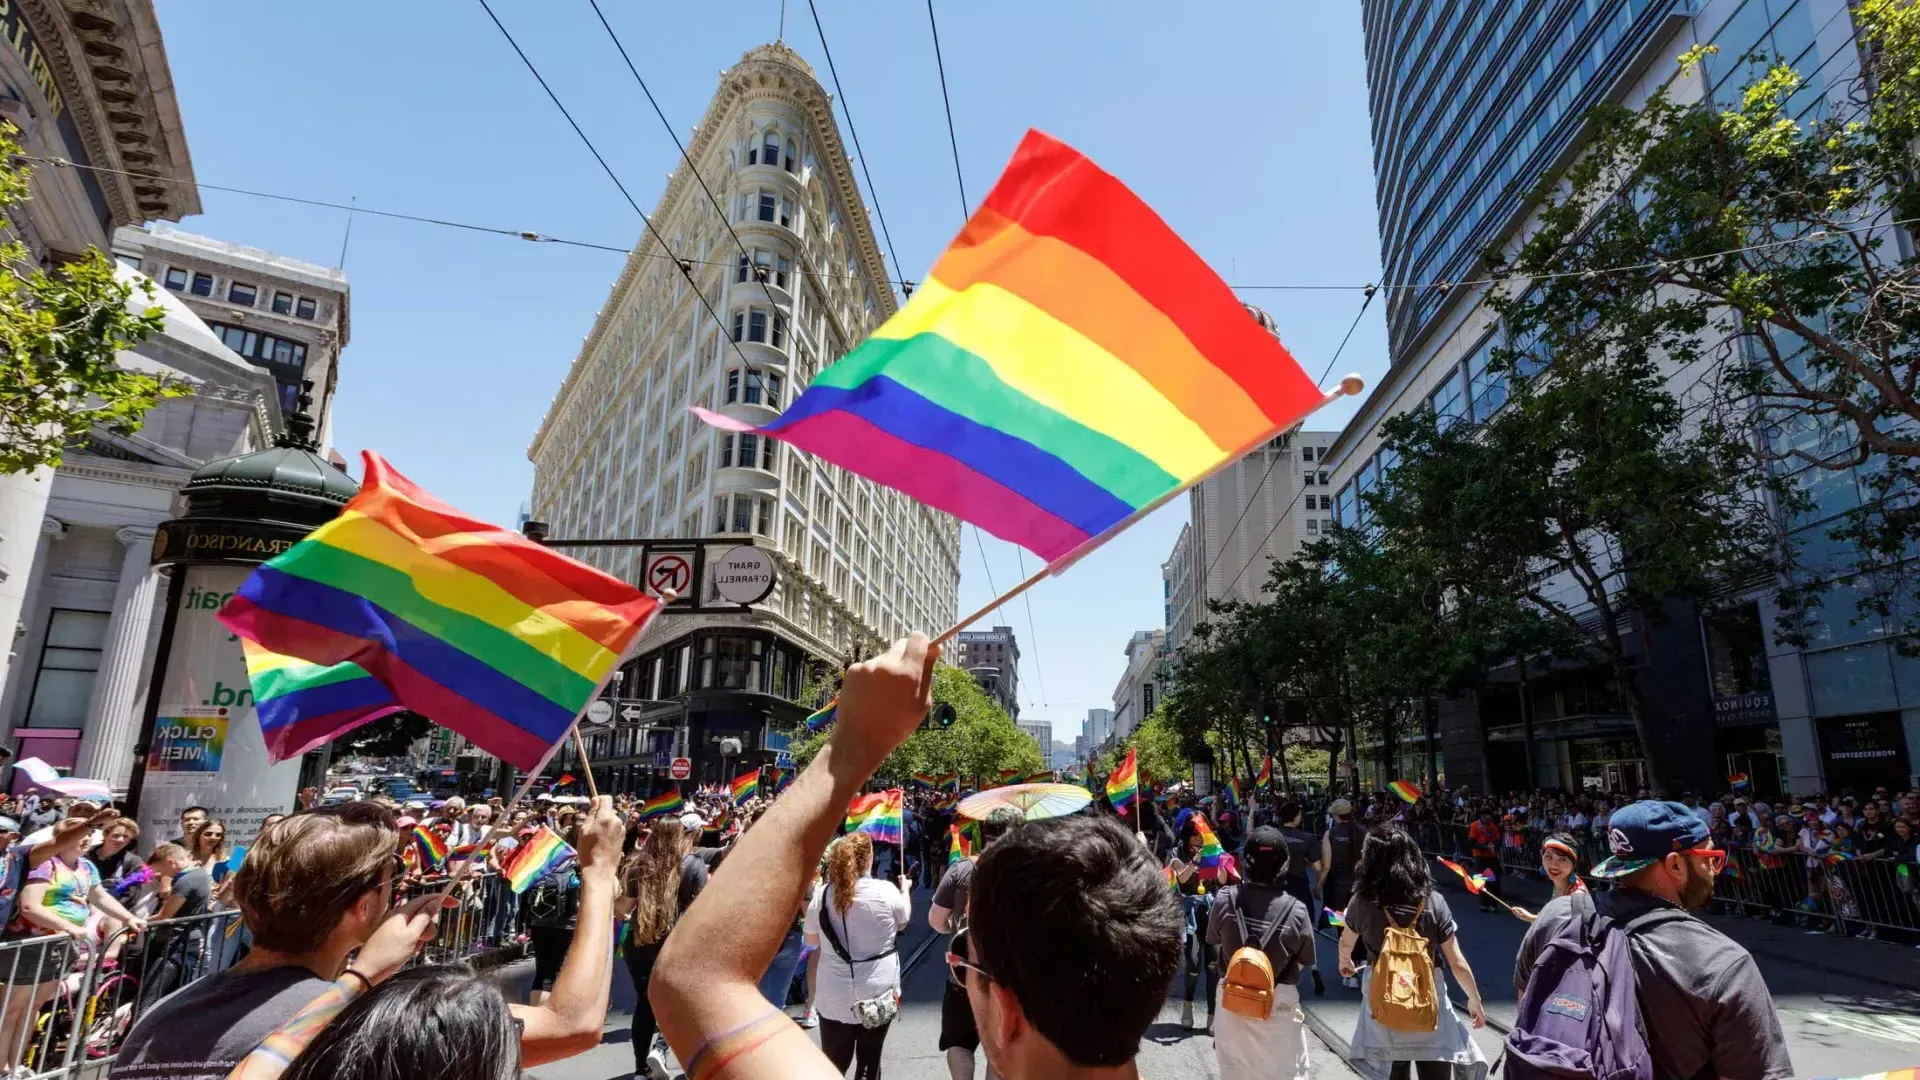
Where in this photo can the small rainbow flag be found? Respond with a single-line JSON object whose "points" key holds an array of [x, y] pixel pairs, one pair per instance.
{"points": [[960, 848], [1043, 776], [1408, 792], [536, 858], [1124, 784], [661, 805], [1336, 918], [1265, 779], [1733, 871], [973, 397], [463, 851], [1476, 883], [781, 778], [1236, 791], [1739, 781], [950, 781], [925, 779], [745, 786], [492, 635], [565, 779], [433, 850], [817, 722], [1172, 882], [881, 815], [1211, 853], [1834, 858], [1008, 776]]}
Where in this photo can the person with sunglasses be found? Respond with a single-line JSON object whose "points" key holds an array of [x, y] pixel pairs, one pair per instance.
{"points": [[1715, 1015]]}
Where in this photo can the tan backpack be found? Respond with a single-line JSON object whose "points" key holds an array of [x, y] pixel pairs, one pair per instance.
{"points": [[1247, 987], [1401, 991]]}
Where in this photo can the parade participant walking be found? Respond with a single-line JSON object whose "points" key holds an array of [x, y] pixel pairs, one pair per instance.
{"points": [[959, 1038], [1394, 896], [1058, 989], [661, 881], [1340, 848], [855, 922], [1303, 850], [1263, 913], [1197, 957], [1704, 1008], [1560, 861]]}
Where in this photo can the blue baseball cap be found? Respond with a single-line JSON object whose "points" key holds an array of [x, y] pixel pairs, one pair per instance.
{"points": [[1642, 833]]}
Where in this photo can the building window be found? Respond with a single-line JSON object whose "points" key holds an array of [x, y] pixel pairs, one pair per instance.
{"points": [[1306, 453], [783, 270], [786, 211], [244, 295], [789, 163], [756, 325], [740, 270], [202, 284], [282, 303], [176, 278], [69, 661], [1306, 478], [1313, 526], [769, 204], [304, 308], [779, 331]]}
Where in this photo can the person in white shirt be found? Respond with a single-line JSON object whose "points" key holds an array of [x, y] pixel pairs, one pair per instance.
{"points": [[854, 922]]}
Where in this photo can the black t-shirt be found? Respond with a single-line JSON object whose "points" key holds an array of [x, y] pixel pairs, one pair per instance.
{"points": [[1302, 849], [115, 867]]}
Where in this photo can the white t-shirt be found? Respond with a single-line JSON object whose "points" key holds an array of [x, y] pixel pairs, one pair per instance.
{"points": [[878, 913]]}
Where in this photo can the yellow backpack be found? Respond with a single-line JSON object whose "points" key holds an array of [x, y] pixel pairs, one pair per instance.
{"points": [[1401, 992]]}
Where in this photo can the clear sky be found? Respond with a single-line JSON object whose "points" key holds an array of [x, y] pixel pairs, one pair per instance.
{"points": [[1243, 123]]}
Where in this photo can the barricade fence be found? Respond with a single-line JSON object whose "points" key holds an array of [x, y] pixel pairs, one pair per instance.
{"points": [[68, 1004]]}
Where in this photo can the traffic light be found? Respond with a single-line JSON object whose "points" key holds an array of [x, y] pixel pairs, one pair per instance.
{"points": [[942, 715]]}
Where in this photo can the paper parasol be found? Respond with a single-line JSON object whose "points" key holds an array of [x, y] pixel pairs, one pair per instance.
{"points": [[1036, 802]]}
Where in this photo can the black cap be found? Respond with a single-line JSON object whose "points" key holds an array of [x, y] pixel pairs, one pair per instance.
{"points": [[1266, 838], [1265, 855]]}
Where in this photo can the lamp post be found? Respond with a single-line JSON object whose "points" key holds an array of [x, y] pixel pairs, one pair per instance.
{"points": [[199, 740]]}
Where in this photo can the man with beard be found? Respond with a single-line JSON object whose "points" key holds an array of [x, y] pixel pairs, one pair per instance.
{"points": [[1714, 1014]]}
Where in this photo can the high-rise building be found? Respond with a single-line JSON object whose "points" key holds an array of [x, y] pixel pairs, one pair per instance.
{"points": [[618, 453], [1099, 728], [1041, 732], [1472, 106], [1082, 745], [992, 657], [1142, 684]]}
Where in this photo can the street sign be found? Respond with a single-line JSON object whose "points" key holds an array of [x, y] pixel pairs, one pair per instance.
{"points": [[630, 712], [682, 768], [743, 575], [668, 570], [600, 711]]}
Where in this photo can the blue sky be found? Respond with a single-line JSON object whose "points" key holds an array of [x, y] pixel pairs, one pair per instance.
{"points": [[1243, 123]]}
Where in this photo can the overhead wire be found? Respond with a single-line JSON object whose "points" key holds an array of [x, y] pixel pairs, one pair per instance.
{"points": [[841, 96]]}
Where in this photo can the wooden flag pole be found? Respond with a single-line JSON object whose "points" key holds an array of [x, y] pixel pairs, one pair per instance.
{"points": [[580, 746]]}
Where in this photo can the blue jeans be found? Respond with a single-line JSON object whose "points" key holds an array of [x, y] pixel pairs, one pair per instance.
{"points": [[779, 975], [1196, 956]]}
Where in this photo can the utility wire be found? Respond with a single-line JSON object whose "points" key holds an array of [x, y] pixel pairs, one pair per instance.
{"points": [[952, 140], [686, 266], [872, 192], [1296, 495]]}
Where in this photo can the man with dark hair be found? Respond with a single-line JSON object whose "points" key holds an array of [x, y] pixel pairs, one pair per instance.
{"points": [[1339, 861], [191, 818], [1079, 935], [1704, 1008], [959, 1038], [1303, 854]]}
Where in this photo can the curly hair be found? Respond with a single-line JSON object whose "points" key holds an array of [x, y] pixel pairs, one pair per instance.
{"points": [[1392, 871], [653, 880], [850, 858]]}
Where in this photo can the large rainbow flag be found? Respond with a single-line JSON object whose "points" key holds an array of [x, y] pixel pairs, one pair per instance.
{"points": [[745, 786], [881, 815], [661, 805], [1124, 783], [302, 705], [1068, 365], [474, 626]]}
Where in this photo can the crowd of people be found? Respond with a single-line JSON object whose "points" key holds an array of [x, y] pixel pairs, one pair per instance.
{"points": [[1065, 937]]}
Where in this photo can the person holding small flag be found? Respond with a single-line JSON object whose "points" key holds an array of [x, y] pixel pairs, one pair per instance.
{"points": [[1209, 865], [660, 881]]}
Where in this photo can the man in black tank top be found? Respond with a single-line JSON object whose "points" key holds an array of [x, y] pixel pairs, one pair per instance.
{"points": [[1303, 855], [1339, 856]]}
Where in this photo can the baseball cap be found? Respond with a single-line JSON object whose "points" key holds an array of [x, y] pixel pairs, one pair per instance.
{"points": [[7, 824], [692, 821], [1266, 850], [1641, 833], [1340, 806]]}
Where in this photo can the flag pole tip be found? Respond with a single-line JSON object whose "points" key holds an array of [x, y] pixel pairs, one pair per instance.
{"points": [[1352, 384]]}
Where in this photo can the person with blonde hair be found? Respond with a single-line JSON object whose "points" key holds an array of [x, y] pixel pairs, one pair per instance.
{"points": [[859, 918], [660, 880]]}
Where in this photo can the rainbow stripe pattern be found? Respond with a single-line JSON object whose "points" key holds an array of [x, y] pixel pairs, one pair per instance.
{"points": [[745, 786], [1739, 780], [302, 705], [1212, 855], [1124, 783], [817, 722], [960, 848], [781, 778], [1406, 790], [881, 815], [661, 805], [536, 858], [485, 631], [1068, 364], [1335, 918], [1265, 779], [432, 849], [1040, 776]]}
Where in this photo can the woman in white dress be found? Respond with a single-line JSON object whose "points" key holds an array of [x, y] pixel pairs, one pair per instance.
{"points": [[854, 923]]}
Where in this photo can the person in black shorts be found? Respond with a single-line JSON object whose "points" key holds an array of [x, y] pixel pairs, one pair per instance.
{"points": [[959, 1037]]}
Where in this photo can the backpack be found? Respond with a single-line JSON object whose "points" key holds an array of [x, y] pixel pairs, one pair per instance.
{"points": [[1401, 992], [1579, 1016], [1247, 987]]}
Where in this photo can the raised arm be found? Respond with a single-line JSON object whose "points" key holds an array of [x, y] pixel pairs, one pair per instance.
{"points": [[572, 1018], [705, 987]]}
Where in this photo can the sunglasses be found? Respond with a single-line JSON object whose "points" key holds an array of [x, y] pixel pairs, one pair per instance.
{"points": [[957, 965], [1712, 855]]}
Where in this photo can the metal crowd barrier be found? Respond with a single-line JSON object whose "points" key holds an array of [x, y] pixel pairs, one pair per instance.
{"points": [[64, 1013]]}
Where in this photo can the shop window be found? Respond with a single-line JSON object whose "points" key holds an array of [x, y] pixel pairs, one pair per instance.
{"points": [[69, 662]]}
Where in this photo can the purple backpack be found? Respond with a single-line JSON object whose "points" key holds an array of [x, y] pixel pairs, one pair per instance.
{"points": [[1579, 1018]]}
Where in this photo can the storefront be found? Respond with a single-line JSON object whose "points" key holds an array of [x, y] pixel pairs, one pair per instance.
{"points": [[1863, 751]]}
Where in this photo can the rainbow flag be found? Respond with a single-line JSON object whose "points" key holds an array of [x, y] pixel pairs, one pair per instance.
{"points": [[302, 705], [925, 779], [1739, 781], [1335, 918], [1172, 882], [1265, 779], [817, 722], [1043, 776], [537, 856], [950, 781], [974, 398], [881, 815], [781, 778], [745, 786], [1211, 853], [433, 850], [1732, 870], [1406, 790], [486, 632], [1124, 783], [959, 848], [1476, 883], [1008, 776], [1237, 791], [661, 805]]}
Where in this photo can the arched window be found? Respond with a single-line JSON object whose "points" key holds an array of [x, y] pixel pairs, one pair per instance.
{"points": [[792, 156], [770, 149]]}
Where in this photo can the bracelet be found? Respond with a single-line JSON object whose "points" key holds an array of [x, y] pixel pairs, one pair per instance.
{"points": [[366, 984]]}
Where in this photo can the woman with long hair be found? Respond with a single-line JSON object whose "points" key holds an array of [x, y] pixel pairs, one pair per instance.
{"points": [[206, 844], [1393, 887], [658, 882], [1560, 861], [858, 918], [443, 1022]]}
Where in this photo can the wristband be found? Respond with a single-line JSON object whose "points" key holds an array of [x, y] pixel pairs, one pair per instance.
{"points": [[366, 984]]}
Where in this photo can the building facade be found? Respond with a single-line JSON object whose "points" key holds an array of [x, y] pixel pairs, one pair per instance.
{"points": [[1099, 728], [1176, 589], [86, 84], [1142, 685], [618, 453], [285, 316], [992, 657], [1457, 146], [1041, 732]]}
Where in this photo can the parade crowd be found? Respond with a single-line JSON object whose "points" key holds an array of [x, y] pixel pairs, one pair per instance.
{"points": [[753, 925]]}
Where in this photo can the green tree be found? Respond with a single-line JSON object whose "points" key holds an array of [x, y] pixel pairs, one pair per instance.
{"points": [[61, 332], [981, 742]]}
